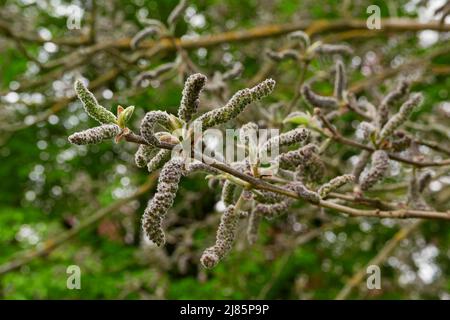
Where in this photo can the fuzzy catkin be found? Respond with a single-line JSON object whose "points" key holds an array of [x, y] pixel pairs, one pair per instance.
{"points": [[273, 210], [233, 72], [228, 193], [403, 114], [267, 197], [154, 73], [317, 100], [334, 184], [190, 96], [423, 180], [92, 107], [141, 35], [304, 192], [302, 156], [334, 49], [254, 221], [158, 160], [162, 201], [143, 155], [226, 234], [388, 101], [236, 104], [361, 163], [177, 12], [302, 37], [291, 137], [200, 166], [379, 167], [340, 82], [366, 129], [149, 122], [400, 141], [95, 135], [283, 55]]}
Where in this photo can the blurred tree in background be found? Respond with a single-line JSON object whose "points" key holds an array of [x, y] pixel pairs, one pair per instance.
{"points": [[64, 205]]}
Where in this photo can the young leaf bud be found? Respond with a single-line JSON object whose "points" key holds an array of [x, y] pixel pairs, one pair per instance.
{"points": [[124, 116]]}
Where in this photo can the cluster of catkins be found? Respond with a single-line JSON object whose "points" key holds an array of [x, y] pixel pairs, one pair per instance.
{"points": [[301, 166]]}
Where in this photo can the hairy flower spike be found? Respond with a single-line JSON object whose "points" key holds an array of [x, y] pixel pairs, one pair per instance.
{"points": [[158, 160], [423, 180], [149, 123], [162, 201], [190, 96], [292, 159], [92, 107], [236, 104], [379, 167], [340, 82], [398, 119], [283, 55], [141, 35], [143, 155], [388, 101], [304, 192], [154, 73], [177, 12], [226, 234], [317, 100], [228, 192], [200, 166], [234, 72], [302, 37], [95, 135], [333, 49], [366, 129], [254, 221], [291, 137], [361, 163], [270, 211], [334, 184]]}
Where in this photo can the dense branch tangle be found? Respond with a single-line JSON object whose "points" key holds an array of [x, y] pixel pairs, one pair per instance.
{"points": [[246, 188]]}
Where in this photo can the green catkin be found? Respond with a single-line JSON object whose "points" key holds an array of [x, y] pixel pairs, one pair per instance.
{"points": [[334, 184], [141, 35], [158, 160], [95, 135], [291, 137], [254, 221], [318, 101], [388, 101], [236, 104], [225, 236], [149, 123], [177, 12], [143, 155], [162, 201], [399, 118], [92, 107], [379, 167], [340, 82], [228, 193], [334, 49], [190, 96], [283, 55], [363, 159]]}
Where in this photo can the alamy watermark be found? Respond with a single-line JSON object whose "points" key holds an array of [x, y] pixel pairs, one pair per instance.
{"points": [[74, 279]]}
